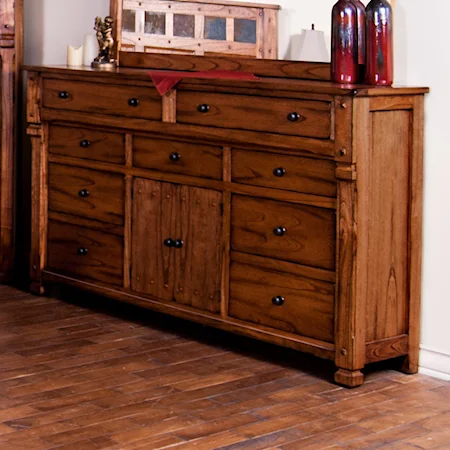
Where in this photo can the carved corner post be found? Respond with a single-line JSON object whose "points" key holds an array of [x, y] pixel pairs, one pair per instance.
{"points": [[115, 11], [411, 361], [11, 60], [38, 137], [350, 311], [7, 141]]}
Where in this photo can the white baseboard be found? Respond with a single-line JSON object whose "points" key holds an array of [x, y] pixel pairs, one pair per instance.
{"points": [[435, 363]]}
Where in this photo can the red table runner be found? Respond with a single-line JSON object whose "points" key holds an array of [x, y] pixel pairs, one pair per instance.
{"points": [[165, 80]]}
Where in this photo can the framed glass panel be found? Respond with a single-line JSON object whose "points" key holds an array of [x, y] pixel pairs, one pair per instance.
{"points": [[155, 23], [183, 25], [129, 20], [245, 31], [216, 28]]}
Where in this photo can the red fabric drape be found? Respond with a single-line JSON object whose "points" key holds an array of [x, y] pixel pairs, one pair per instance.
{"points": [[165, 80]]}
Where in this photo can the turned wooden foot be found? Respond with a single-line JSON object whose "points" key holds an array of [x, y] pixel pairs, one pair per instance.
{"points": [[409, 365], [37, 288], [349, 378]]}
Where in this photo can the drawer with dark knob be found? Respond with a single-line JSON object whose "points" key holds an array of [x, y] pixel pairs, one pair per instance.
{"points": [[84, 253], [307, 234], [111, 99], [310, 118], [86, 143], [293, 173], [282, 300], [197, 160], [87, 193]]}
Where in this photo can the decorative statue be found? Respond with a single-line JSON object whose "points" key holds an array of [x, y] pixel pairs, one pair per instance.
{"points": [[105, 40]]}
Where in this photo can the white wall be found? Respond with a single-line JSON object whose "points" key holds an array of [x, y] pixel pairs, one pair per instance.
{"points": [[421, 32], [51, 25]]}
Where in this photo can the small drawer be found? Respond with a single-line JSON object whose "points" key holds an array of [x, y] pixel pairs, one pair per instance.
{"points": [[279, 300], [273, 115], [87, 193], [7, 20], [111, 99], [178, 157], [84, 253], [87, 144], [293, 173], [297, 233]]}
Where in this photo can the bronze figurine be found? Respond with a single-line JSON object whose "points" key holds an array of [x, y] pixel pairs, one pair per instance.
{"points": [[104, 30]]}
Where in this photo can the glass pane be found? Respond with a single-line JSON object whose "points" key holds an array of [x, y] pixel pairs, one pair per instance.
{"points": [[215, 28], [129, 20], [183, 25], [155, 23], [245, 31]]}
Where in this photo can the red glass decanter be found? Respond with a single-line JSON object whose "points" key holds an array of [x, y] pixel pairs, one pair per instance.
{"points": [[361, 25], [344, 42], [380, 43]]}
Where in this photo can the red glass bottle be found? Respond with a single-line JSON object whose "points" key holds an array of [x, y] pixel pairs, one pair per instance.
{"points": [[380, 43], [344, 42], [361, 19]]}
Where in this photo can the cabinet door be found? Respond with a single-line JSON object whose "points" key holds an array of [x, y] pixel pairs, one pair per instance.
{"points": [[154, 211], [198, 262], [176, 251]]}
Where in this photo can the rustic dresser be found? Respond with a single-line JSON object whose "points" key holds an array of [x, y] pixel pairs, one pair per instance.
{"points": [[282, 209]]}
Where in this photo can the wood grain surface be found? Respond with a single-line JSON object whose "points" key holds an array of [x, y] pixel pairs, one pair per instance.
{"points": [[102, 261], [87, 143]]}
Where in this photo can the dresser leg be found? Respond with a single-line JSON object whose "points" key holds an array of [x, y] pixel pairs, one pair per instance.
{"points": [[349, 378], [37, 288], [409, 365]]}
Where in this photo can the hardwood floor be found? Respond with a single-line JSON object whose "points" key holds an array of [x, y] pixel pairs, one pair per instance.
{"points": [[88, 373]]}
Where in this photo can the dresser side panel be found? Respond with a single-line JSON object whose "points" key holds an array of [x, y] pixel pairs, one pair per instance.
{"points": [[383, 184]]}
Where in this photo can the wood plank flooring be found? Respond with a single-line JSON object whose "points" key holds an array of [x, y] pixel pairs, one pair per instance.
{"points": [[88, 373]]}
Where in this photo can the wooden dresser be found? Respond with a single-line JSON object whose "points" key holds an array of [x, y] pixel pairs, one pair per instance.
{"points": [[285, 210], [11, 37]]}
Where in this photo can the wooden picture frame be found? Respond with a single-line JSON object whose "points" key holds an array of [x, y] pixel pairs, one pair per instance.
{"points": [[197, 27]]}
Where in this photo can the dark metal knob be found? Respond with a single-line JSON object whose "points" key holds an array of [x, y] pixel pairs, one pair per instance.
{"points": [[169, 242], [279, 231], [279, 172], [174, 157], [82, 251], [278, 300], [85, 143], [203, 108], [83, 193], [178, 243], [133, 102], [293, 117], [63, 95]]}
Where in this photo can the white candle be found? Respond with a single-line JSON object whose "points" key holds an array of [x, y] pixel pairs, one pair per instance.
{"points": [[90, 51], [75, 56]]}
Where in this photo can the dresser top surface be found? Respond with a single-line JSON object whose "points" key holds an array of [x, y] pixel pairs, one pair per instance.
{"points": [[262, 83]]}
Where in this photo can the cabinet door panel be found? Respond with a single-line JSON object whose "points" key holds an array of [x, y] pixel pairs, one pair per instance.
{"points": [[154, 210], [198, 262]]}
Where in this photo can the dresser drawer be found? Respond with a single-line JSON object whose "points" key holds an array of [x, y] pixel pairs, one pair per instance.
{"points": [[293, 173], [85, 143], [81, 252], [274, 115], [116, 100], [297, 233], [87, 193], [280, 300], [178, 157]]}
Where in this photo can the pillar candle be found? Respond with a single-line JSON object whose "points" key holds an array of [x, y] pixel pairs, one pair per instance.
{"points": [[74, 55], [91, 49]]}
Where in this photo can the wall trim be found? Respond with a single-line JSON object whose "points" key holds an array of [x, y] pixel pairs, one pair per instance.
{"points": [[434, 362]]}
